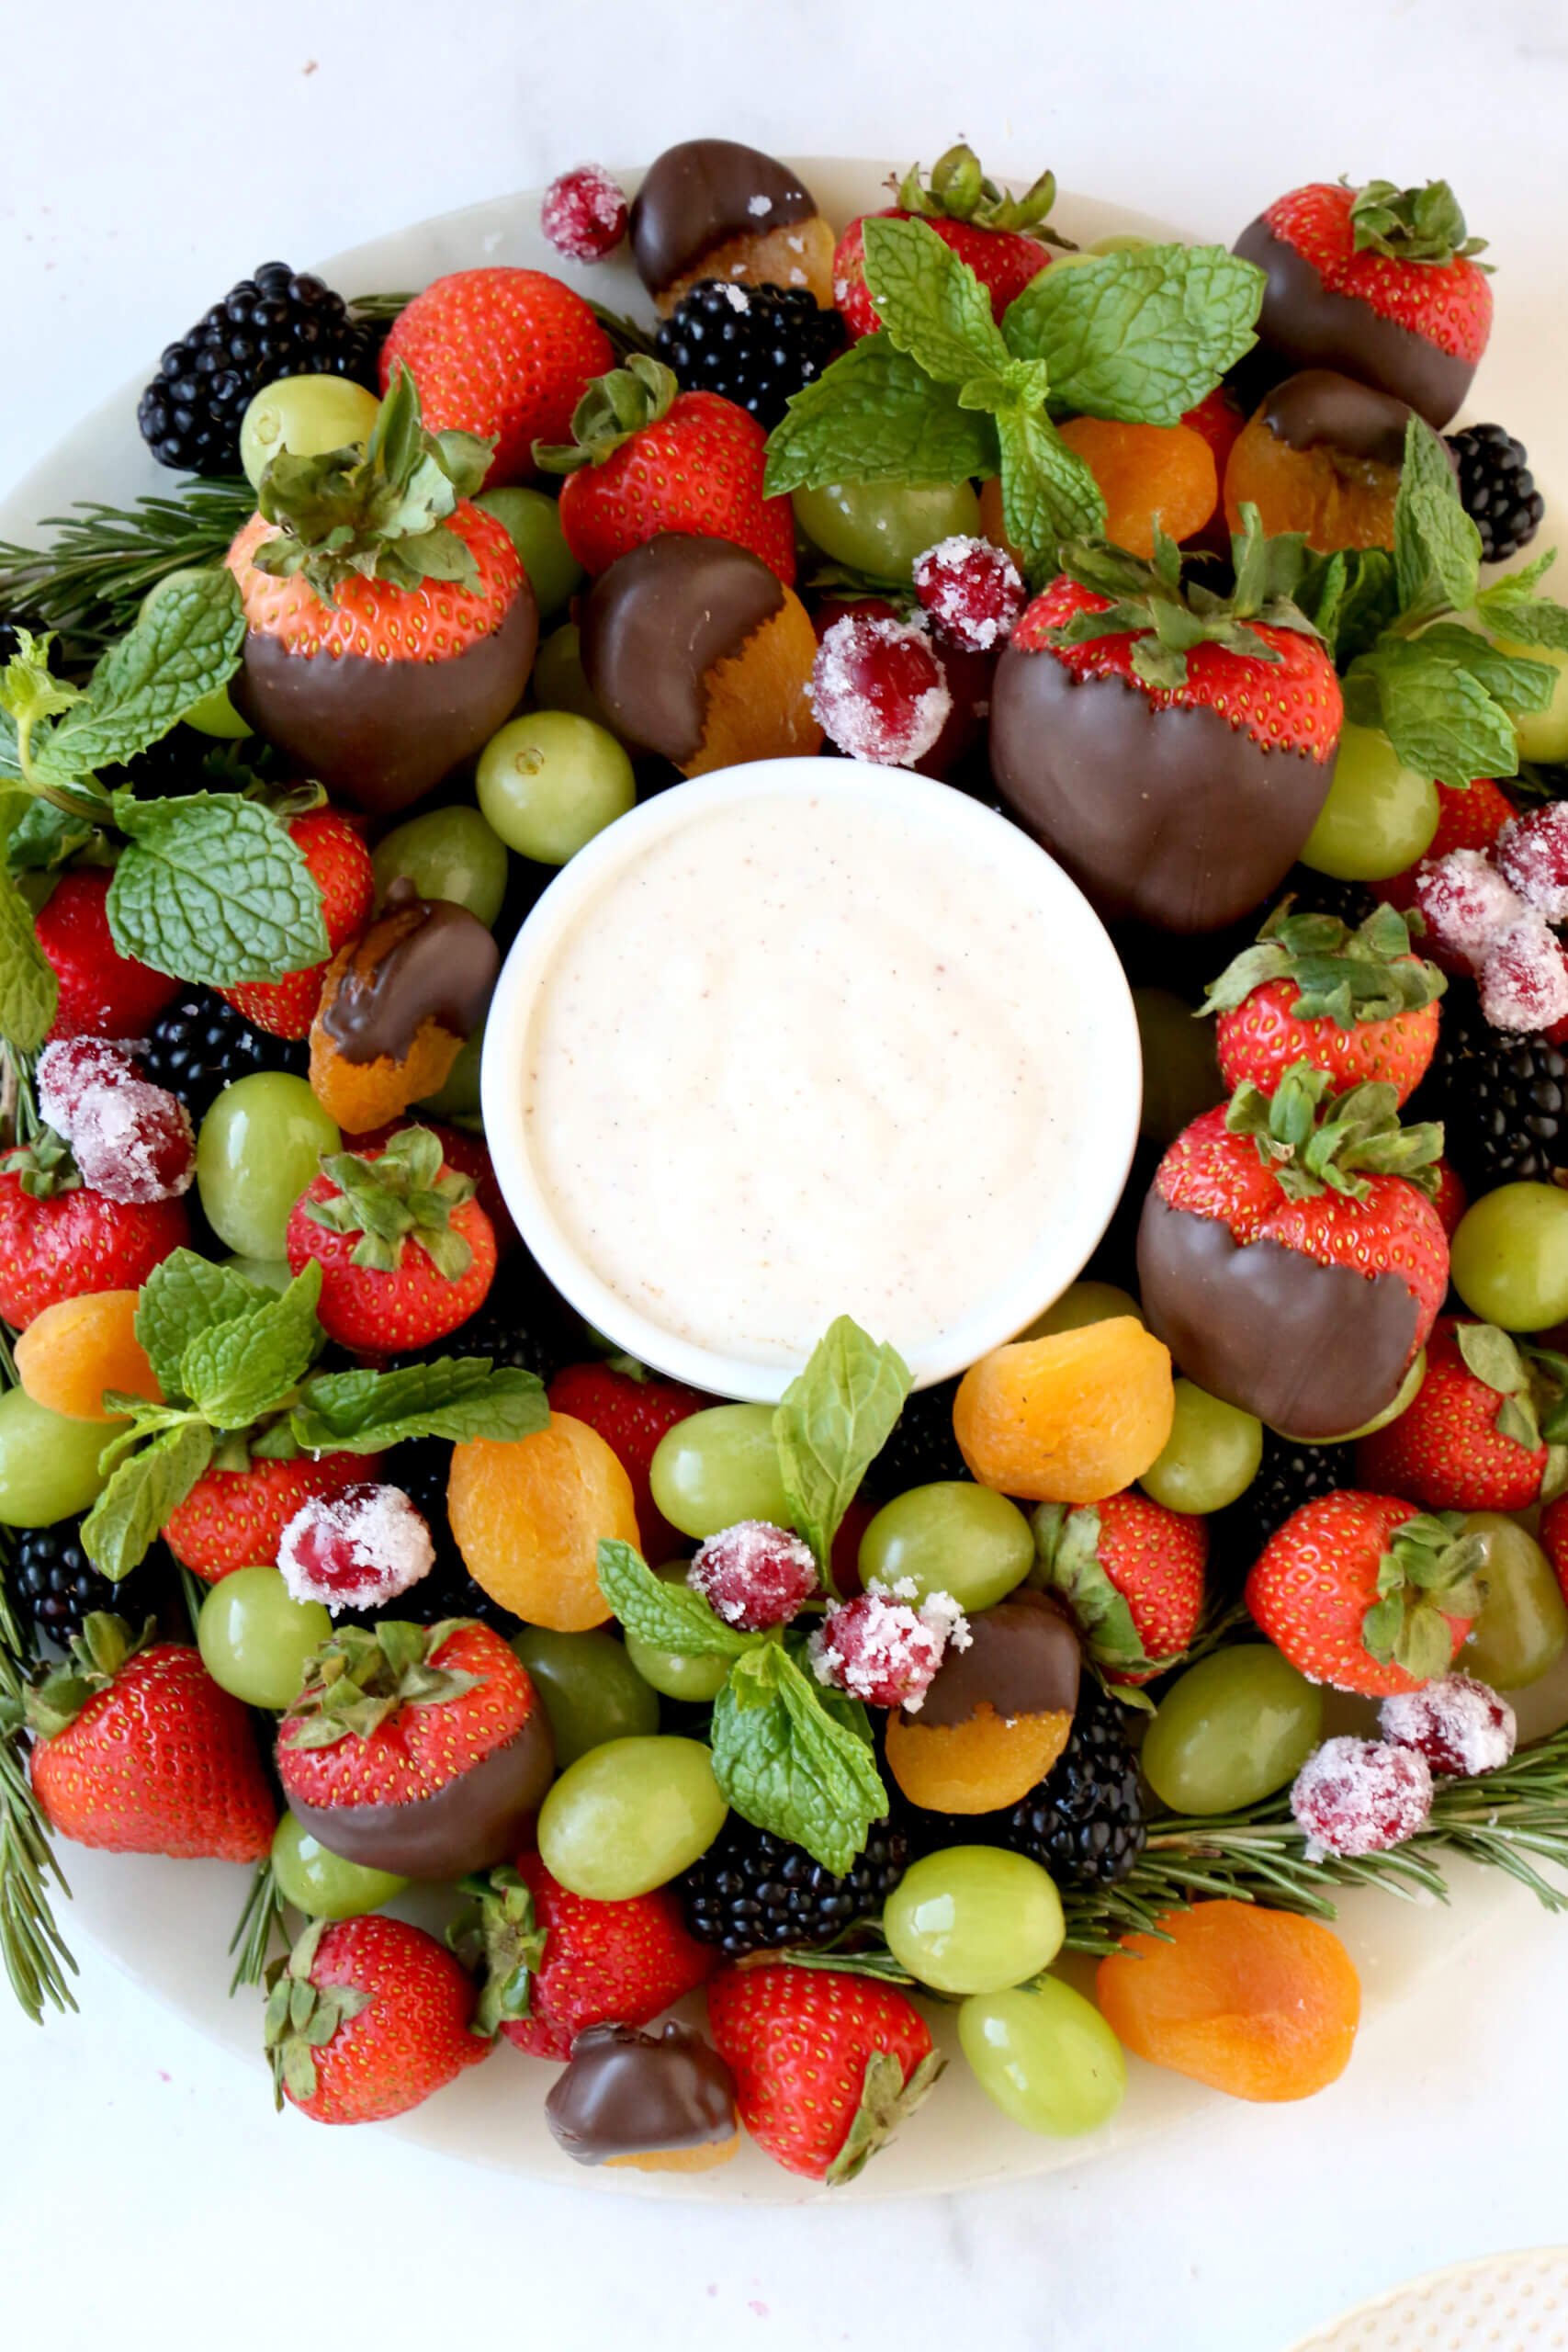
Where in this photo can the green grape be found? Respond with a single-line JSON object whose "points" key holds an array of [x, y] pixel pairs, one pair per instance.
{"points": [[550, 781], [258, 1149], [532, 522], [718, 1467], [559, 681], [445, 854], [950, 1537], [880, 527], [322, 1884], [1510, 1257], [1182, 1069], [1380, 816], [591, 1691], [215, 714], [307, 415], [1121, 241], [629, 1816], [270, 1273], [1072, 260], [695, 1679], [49, 1464], [974, 1919], [255, 1638], [1083, 1303], [459, 1098], [1045, 2057], [1232, 1729], [1543, 734], [1211, 1456], [1523, 1625]]}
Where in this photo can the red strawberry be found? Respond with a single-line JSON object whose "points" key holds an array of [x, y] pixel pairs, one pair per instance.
{"points": [[386, 2020], [406, 1251], [645, 457], [1355, 1004], [1366, 1592], [140, 1752], [1470, 816], [102, 993], [1218, 418], [340, 865], [504, 352], [968, 212], [235, 1518], [1468, 1440], [631, 1412], [826, 2066], [1130, 1573], [1450, 1200], [59, 1239], [1397, 258], [1287, 1259], [468, 1153], [1554, 1538], [556, 1963], [390, 1722]]}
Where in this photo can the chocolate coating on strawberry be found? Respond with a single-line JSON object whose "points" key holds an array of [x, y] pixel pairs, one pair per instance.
{"points": [[477, 1819], [423, 959], [625, 2094], [1318, 409], [1022, 1659], [698, 195], [659, 621]]}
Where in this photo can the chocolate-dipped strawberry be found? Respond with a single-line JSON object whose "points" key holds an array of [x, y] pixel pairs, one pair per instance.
{"points": [[398, 1005], [1322, 454], [421, 1749], [1289, 1254], [391, 626], [711, 207], [1172, 748], [1377, 282], [996, 1715], [659, 2102], [697, 651]]}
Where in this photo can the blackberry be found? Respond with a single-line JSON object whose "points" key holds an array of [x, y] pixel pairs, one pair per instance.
{"points": [[419, 1468], [1320, 894], [922, 1448], [1502, 1095], [1289, 1475], [754, 1892], [200, 1044], [1084, 1823], [754, 344], [1497, 489], [56, 1588], [279, 323]]}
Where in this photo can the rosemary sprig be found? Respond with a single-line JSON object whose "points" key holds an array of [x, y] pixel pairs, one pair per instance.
{"points": [[378, 307], [259, 1921], [89, 581], [33, 1951], [627, 335]]}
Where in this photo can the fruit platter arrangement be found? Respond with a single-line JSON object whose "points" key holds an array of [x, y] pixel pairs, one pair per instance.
{"points": [[742, 1760]]}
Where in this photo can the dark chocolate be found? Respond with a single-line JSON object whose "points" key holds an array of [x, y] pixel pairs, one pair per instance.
{"points": [[481, 1817], [1312, 1350], [702, 193], [421, 959], [626, 2093], [1318, 409], [382, 734], [657, 622], [1022, 1659], [1304, 324], [1173, 818]]}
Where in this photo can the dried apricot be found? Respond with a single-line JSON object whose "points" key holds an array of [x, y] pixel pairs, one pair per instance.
{"points": [[756, 705], [79, 1347], [1260, 2004], [1147, 474], [1069, 1418], [528, 1517], [1334, 497], [974, 1767]]}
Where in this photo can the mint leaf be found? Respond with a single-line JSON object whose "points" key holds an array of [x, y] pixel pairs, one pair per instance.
{"points": [[788, 1765], [1141, 336], [1048, 492], [1512, 606], [929, 302], [211, 890], [454, 1396], [1437, 547], [832, 1422], [665, 1616], [140, 1495], [238, 1369], [1515, 681], [874, 415], [1438, 715], [29, 993], [184, 648], [184, 1297], [45, 836]]}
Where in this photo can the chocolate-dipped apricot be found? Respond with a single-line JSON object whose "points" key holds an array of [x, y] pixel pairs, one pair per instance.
{"points": [[711, 207], [660, 2102], [997, 1715], [1321, 455], [398, 1005]]}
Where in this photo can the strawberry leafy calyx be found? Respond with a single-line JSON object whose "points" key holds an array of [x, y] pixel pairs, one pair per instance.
{"points": [[378, 509], [1068, 1564], [499, 1932], [1340, 975], [1314, 1141], [1429, 1573], [886, 2099], [611, 409], [302, 2017], [360, 1677], [1530, 1382], [44, 1166], [105, 1645], [1415, 224], [958, 189], [402, 1196]]}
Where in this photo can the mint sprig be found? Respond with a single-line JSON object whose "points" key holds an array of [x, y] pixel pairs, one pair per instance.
{"points": [[665, 1616], [29, 993], [456, 1397], [874, 415], [787, 1765], [1139, 336], [831, 1423], [213, 890]]}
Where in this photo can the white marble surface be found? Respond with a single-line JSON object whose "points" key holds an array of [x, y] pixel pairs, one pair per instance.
{"points": [[150, 155]]}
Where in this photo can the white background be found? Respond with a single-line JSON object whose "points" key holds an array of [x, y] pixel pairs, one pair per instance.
{"points": [[148, 156]]}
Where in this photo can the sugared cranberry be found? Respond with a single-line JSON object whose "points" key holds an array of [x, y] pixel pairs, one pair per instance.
{"points": [[1361, 1796], [69, 1068], [755, 1575], [584, 213], [879, 690], [1533, 853], [1524, 981], [1466, 904], [355, 1549], [132, 1141], [1460, 1725], [971, 590], [885, 1650]]}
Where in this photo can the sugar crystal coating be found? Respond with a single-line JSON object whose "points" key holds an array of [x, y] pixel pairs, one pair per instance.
{"points": [[584, 213], [1361, 1796], [879, 690], [971, 590], [1533, 854], [1460, 1725], [755, 1575], [1466, 903], [356, 1548], [71, 1067], [885, 1650], [133, 1142], [1524, 981]]}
